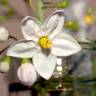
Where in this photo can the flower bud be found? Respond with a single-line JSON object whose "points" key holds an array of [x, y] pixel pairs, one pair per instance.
{"points": [[26, 73], [4, 34], [63, 4], [72, 25], [5, 64]]}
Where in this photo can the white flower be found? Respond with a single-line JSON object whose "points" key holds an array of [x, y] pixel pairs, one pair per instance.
{"points": [[4, 67], [27, 74], [79, 10], [4, 34], [42, 39]]}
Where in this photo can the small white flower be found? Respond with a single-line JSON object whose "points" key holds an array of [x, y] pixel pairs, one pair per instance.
{"points": [[4, 67], [79, 10], [40, 38], [27, 74], [4, 34]]}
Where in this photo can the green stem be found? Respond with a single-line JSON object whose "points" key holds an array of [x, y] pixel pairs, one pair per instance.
{"points": [[94, 74], [41, 10], [43, 92], [74, 92], [85, 42], [49, 6]]}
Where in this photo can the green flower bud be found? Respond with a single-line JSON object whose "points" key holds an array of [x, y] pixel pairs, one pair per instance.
{"points": [[72, 25], [90, 11], [5, 64], [63, 4]]}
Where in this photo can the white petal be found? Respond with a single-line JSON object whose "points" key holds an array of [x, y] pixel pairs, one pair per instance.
{"points": [[44, 65], [27, 74], [65, 45], [4, 34], [54, 24], [79, 8], [23, 49], [30, 28]]}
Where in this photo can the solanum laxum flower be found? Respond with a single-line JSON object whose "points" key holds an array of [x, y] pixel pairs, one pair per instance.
{"points": [[44, 43]]}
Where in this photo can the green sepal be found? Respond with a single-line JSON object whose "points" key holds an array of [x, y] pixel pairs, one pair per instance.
{"points": [[7, 59], [25, 60]]}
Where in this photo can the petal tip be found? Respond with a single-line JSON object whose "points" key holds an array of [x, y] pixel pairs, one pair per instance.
{"points": [[78, 49], [60, 12], [25, 19]]}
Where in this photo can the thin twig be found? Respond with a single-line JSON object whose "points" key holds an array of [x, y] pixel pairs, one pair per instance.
{"points": [[84, 42], [4, 50], [8, 46], [88, 81], [13, 38]]}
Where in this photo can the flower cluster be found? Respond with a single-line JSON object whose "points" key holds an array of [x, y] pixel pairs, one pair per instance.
{"points": [[43, 44]]}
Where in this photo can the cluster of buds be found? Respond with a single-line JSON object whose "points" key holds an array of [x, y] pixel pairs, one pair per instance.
{"points": [[26, 72]]}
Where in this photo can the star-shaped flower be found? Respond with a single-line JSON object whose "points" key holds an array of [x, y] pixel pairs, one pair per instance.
{"points": [[44, 43], [79, 9]]}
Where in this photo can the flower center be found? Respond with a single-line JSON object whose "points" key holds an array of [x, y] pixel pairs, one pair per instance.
{"points": [[45, 42]]}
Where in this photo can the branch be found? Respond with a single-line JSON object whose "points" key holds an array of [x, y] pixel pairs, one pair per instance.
{"points": [[13, 38]]}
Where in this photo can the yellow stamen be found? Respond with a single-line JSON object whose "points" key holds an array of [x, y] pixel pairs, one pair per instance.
{"points": [[89, 19], [45, 42]]}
